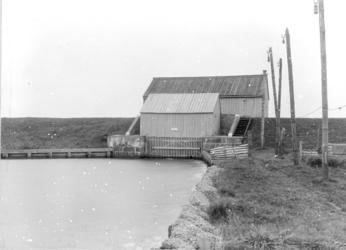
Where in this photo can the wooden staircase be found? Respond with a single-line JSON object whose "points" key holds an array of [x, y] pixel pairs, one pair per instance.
{"points": [[243, 126]]}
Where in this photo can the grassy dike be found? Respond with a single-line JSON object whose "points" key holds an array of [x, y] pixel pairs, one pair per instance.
{"points": [[268, 203], [58, 133]]}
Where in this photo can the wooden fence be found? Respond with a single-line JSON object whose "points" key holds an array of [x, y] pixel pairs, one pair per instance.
{"points": [[229, 152], [333, 149], [337, 149], [174, 147]]}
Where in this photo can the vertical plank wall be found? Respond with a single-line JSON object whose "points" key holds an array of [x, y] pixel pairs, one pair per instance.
{"points": [[180, 125], [243, 106]]}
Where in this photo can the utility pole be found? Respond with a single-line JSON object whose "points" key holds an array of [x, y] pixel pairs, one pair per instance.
{"points": [[279, 107], [325, 172], [318, 138], [275, 102], [280, 81], [0, 58], [293, 115], [263, 102]]}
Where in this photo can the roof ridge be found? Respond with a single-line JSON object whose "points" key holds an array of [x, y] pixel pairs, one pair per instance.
{"points": [[224, 85], [185, 77]]}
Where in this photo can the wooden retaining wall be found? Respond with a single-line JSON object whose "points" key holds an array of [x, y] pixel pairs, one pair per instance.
{"points": [[57, 153], [229, 152], [144, 146]]}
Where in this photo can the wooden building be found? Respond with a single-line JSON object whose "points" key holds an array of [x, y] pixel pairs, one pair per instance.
{"points": [[246, 95], [181, 115]]}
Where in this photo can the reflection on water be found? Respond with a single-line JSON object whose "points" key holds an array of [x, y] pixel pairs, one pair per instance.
{"points": [[92, 203]]}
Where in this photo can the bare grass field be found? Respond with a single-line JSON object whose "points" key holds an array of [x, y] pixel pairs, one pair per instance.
{"points": [[268, 203]]}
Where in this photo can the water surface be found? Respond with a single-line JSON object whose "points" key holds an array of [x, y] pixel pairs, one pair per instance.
{"points": [[92, 203]]}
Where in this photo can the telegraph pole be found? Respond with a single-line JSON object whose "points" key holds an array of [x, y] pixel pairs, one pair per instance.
{"points": [[275, 102], [0, 58], [279, 107], [325, 172], [293, 115]]}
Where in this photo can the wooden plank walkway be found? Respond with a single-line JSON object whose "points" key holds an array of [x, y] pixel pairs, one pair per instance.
{"points": [[57, 153]]}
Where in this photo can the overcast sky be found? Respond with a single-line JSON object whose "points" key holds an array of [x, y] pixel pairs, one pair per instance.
{"points": [[84, 58]]}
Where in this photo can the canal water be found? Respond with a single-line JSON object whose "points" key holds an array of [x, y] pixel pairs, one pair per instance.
{"points": [[92, 203]]}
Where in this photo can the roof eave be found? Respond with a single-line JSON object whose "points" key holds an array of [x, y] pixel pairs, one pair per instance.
{"points": [[241, 96], [177, 113]]}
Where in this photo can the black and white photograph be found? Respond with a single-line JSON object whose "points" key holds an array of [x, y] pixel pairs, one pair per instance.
{"points": [[196, 124]]}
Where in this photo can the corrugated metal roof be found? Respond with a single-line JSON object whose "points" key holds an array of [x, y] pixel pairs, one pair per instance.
{"points": [[180, 103], [244, 85]]}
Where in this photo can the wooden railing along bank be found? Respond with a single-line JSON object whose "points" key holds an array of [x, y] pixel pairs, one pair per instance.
{"points": [[57, 153]]}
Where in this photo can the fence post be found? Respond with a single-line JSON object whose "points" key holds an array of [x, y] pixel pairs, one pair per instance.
{"points": [[300, 149], [249, 141], [145, 146]]}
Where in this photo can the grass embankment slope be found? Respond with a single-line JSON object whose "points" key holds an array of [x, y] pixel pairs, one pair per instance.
{"points": [[268, 203], [55, 133]]}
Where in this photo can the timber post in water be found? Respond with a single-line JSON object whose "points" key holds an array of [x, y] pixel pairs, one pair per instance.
{"points": [[293, 115]]}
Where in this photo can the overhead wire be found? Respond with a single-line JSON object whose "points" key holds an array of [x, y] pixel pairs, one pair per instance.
{"points": [[338, 108], [341, 107], [310, 113]]}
